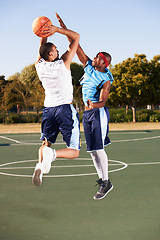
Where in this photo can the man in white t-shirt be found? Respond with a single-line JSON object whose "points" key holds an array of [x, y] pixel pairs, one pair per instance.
{"points": [[59, 115]]}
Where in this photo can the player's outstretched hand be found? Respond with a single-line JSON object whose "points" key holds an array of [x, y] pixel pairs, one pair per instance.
{"points": [[90, 104], [61, 21]]}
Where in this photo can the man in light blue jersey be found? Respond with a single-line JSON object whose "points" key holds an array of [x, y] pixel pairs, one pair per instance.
{"points": [[96, 83]]}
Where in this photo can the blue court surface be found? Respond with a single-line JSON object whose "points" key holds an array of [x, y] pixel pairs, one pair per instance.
{"points": [[63, 208]]}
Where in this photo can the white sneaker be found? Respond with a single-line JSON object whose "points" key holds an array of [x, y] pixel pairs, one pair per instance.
{"points": [[37, 175], [48, 158]]}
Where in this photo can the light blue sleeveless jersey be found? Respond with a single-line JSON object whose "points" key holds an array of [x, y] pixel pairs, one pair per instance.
{"points": [[92, 82]]}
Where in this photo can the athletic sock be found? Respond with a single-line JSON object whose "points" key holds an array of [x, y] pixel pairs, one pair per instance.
{"points": [[104, 163], [100, 161], [55, 155], [96, 162]]}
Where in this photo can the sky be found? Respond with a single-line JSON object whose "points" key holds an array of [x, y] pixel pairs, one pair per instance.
{"points": [[121, 28]]}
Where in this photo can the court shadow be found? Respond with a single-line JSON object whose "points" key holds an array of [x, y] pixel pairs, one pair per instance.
{"points": [[4, 144]]}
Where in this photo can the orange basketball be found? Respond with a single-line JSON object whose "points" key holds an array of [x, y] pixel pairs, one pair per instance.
{"points": [[39, 24]]}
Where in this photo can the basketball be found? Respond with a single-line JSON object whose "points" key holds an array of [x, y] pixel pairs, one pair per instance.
{"points": [[39, 24]]}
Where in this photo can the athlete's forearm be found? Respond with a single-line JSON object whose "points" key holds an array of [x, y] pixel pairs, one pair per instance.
{"points": [[92, 105], [80, 53], [69, 33], [42, 41]]}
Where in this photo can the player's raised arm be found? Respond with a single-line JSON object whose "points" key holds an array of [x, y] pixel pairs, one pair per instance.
{"points": [[72, 48], [80, 53], [42, 41]]}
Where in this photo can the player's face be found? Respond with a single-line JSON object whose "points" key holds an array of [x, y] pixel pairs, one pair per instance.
{"points": [[98, 61], [54, 52]]}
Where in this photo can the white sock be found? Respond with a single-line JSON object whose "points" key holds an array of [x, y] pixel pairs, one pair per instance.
{"points": [[55, 155], [38, 166], [97, 163], [100, 161]]}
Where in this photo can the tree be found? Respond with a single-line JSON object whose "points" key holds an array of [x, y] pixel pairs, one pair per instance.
{"points": [[2, 85], [29, 76], [154, 81], [30, 80], [15, 94], [77, 72], [131, 81]]}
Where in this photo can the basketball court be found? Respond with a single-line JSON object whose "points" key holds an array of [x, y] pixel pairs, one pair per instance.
{"points": [[63, 207]]}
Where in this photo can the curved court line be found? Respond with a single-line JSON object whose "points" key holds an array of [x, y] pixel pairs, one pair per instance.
{"points": [[125, 165], [71, 175], [10, 163], [65, 166], [35, 160]]}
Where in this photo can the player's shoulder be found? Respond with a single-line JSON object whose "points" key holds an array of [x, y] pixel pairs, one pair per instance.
{"points": [[109, 75], [41, 60], [88, 64]]}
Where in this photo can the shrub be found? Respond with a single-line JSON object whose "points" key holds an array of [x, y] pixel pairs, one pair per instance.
{"points": [[116, 116], [154, 118], [21, 118]]}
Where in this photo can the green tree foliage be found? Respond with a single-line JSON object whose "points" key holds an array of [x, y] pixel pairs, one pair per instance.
{"points": [[15, 94], [131, 83], [2, 85], [30, 80], [136, 83], [29, 76], [154, 81], [77, 72]]}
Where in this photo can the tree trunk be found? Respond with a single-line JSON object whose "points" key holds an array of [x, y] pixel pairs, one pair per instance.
{"points": [[126, 109], [134, 111], [18, 109]]}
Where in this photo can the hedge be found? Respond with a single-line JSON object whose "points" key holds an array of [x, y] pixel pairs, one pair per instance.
{"points": [[116, 116], [20, 118]]}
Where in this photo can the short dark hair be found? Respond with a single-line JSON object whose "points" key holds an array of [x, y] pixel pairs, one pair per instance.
{"points": [[45, 49]]}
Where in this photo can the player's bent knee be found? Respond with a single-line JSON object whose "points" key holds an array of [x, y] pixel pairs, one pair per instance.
{"points": [[75, 153]]}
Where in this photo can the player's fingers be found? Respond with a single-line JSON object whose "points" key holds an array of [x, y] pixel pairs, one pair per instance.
{"points": [[57, 15]]}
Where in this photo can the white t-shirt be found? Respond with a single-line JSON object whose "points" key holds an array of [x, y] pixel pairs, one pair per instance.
{"points": [[57, 82]]}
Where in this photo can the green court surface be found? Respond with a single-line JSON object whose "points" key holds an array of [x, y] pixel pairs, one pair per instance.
{"points": [[62, 208]]}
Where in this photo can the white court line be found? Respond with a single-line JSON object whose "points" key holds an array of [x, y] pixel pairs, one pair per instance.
{"points": [[64, 166], [120, 133], [10, 139], [36, 143], [63, 143], [10, 163], [149, 163], [116, 163], [136, 139], [119, 163]]}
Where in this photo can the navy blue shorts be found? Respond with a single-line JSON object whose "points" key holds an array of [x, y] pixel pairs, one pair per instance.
{"points": [[64, 119], [95, 123]]}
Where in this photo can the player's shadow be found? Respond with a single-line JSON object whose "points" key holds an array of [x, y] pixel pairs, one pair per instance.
{"points": [[4, 144]]}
